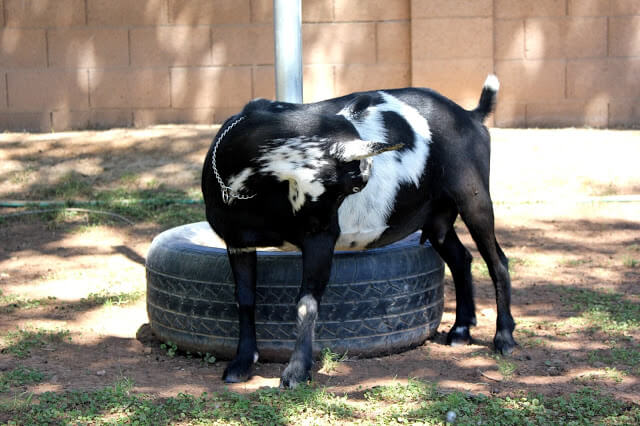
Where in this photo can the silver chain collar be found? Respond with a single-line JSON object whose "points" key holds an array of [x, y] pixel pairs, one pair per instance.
{"points": [[228, 194]]}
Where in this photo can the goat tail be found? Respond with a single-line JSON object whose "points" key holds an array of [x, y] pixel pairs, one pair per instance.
{"points": [[487, 98]]}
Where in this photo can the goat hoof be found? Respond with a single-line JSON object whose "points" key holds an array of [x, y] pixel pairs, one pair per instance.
{"points": [[459, 336], [294, 375], [236, 372], [504, 343]]}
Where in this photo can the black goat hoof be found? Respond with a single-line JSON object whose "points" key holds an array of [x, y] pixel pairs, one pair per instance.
{"points": [[459, 336], [293, 375], [236, 372], [503, 342]]}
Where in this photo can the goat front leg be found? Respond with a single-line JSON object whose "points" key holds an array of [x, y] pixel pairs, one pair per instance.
{"points": [[317, 255], [243, 265]]}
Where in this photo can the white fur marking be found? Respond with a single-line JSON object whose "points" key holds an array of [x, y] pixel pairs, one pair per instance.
{"points": [[351, 150], [297, 160], [492, 83], [363, 216], [237, 182], [307, 305]]}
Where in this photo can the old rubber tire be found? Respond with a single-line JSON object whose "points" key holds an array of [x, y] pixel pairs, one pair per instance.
{"points": [[377, 302]]}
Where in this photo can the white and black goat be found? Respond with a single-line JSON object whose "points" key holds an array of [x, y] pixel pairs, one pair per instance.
{"points": [[359, 171]]}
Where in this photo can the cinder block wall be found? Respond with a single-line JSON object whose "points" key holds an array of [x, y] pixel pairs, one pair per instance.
{"points": [[560, 62], [104, 63]]}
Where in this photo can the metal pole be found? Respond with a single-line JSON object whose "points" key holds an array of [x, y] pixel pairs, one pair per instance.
{"points": [[287, 30]]}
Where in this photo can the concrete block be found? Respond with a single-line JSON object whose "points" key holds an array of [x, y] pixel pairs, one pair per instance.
{"points": [[88, 47], [611, 78], [220, 115], [624, 36], [589, 7], [317, 11], [567, 113], [525, 9], [262, 11], [393, 42], [358, 78], [565, 37], [150, 117], [209, 12], [527, 81], [243, 44], [371, 10], [44, 13], [458, 79], [312, 11], [217, 87], [625, 7], [126, 12], [170, 46], [318, 82], [129, 88], [46, 90], [22, 48], [264, 82], [450, 8], [25, 121], [339, 43], [509, 38], [451, 38], [91, 119]]}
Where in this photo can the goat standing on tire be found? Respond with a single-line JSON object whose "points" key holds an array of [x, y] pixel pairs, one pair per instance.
{"points": [[359, 171]]}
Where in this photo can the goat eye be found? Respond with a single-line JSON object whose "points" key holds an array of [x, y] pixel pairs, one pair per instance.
{"points": [[356, 189]]}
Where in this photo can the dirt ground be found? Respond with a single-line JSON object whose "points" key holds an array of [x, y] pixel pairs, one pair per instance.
{"points": [[558, 244]]}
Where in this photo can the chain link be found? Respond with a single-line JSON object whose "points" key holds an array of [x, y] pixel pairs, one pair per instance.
{"points": [[228, 194]]}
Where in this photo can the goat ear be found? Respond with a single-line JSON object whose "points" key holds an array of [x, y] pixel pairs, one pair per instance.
{"points": [[357, 149]]}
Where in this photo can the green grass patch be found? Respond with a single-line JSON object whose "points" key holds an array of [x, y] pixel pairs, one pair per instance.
{"points": [[629, 357], [329, 360], [630, 262], [506, 367], [413, 391], [20, 376], [22, 342], [165, 207], [604, 311], [117, 404], [12, 302], [414, 403], [70, 186], [105, 298], [411, 403]]}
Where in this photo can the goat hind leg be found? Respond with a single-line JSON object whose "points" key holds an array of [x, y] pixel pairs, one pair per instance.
{"points": [[458, 259], [478, 216]]}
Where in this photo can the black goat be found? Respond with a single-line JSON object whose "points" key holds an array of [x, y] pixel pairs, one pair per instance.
{"points": [[358, 171]]}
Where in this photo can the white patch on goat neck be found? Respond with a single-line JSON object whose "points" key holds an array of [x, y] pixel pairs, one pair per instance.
{"points": [[237, 182], [297, 160], [363, 216]]}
